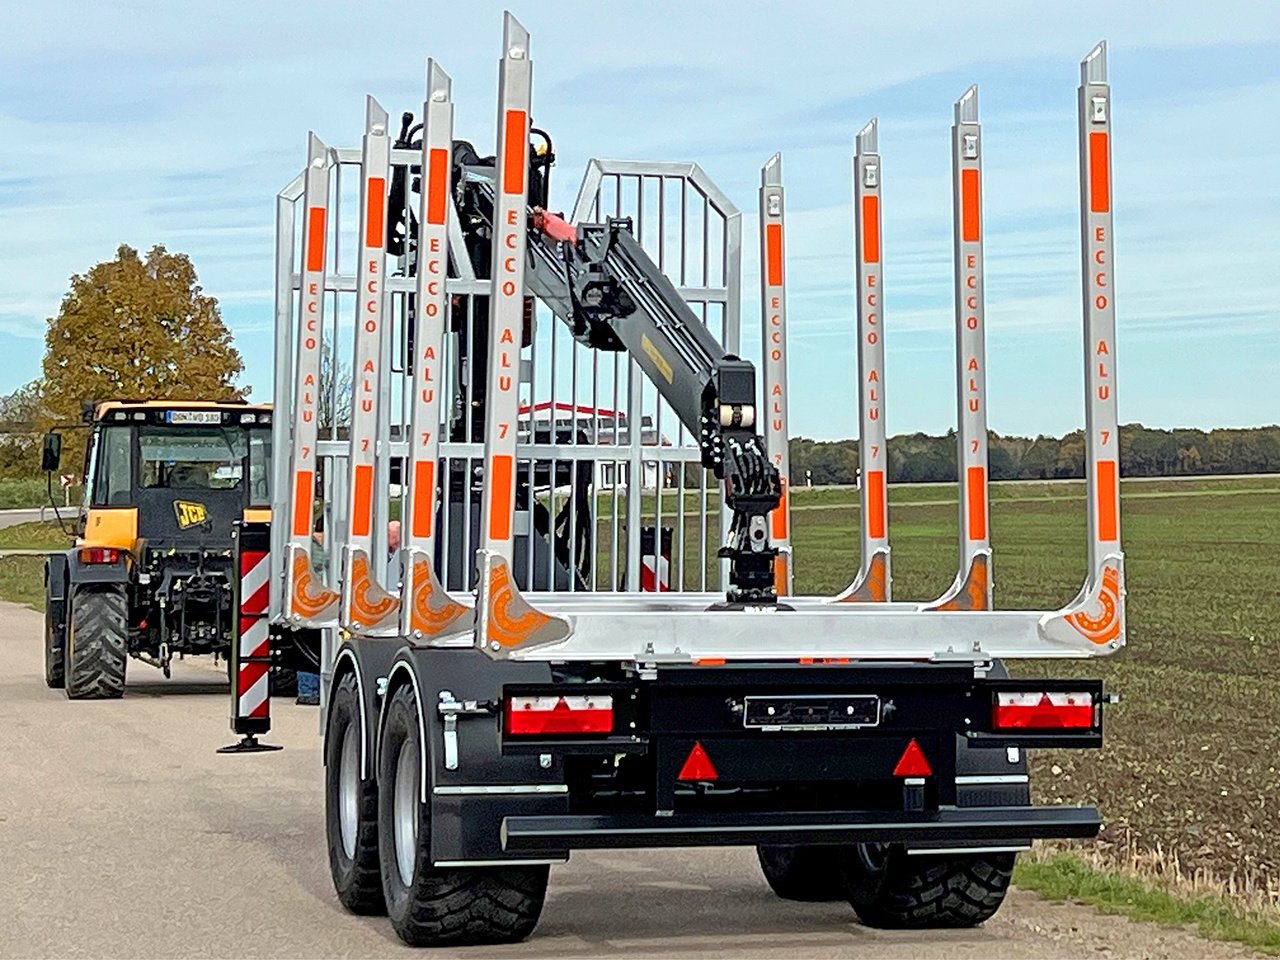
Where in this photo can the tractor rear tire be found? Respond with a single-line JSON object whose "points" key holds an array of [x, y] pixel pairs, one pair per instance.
{"points": [[432, 906], [806, 874], [351, 807], [55, 650], [97, 642], [894, 891]]}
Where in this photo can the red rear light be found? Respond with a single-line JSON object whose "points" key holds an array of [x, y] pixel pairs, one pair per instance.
{"points": [[99, 555], [1043, 711], [543, 715]]}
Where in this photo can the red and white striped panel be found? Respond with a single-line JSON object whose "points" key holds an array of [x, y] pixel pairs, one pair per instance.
{"points": [[252, 684], [655, 574]]}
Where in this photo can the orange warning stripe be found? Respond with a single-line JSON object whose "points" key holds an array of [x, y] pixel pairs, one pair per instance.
{"points": [[1099, 181], [871, 229], [1108, 501], [303, 493], [374, 226], [515, 139], [437, 184], [970, 208], [315, 238], [424, 488], [362, 501], [876, 520], [501, 471], [780, 514], [773, 252], [976, 494]]}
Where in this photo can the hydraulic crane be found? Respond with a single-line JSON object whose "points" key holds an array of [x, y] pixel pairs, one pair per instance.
{"points": [[599, 280]]}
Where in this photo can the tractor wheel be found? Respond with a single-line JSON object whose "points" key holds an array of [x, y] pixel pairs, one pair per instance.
{"points": [[433, 906], [97, 642], [809, 874], [890, 890], [351, 807], [55, 649]]}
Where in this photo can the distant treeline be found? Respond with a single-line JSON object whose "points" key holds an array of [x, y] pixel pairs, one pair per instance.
{"points": [[1144, 452]]}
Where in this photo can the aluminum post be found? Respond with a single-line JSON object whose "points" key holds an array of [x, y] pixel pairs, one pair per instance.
{"points": [[873, 583], [308, 601], [972, 589], [773, 302], [425, 609], [1098, 612], [366, 607], [504, 619]]}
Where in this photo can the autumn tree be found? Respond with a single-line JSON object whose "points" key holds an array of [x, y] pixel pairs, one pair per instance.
{"points": [[136, 328]]}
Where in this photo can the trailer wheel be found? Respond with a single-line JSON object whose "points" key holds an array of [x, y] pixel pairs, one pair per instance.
{"points": [[55, 650], [890, 890], [97, 642], [809, 874], [351, 807], [440, 907]]}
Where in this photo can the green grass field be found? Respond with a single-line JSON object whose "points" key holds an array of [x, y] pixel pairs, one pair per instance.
{"points": [[1190, 768]]}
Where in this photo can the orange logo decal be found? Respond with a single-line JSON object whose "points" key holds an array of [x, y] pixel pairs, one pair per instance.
{"points": [[310, 596], [433, 609], [1105, 627], [875, 589], [369, 602], [973, 596], [511, 620]]}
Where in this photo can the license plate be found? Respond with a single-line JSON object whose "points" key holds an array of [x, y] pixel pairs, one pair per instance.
{"points": [[811, 712], [195, 416]]}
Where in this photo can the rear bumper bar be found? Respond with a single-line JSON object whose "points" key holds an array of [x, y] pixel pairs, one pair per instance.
{"points": [[961, 826]]}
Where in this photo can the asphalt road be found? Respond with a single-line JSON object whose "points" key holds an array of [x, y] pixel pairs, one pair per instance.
{"points": [[10, 518], [123, 834]]}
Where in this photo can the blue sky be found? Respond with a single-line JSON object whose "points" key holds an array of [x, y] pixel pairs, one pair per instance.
{"points": [[177, 123]]}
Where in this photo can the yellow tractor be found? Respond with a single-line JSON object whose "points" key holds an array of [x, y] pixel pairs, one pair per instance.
{"points": [[151, 573]]}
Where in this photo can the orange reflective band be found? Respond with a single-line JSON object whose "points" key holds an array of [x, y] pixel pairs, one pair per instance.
{"points": [[303, 492], [437, 185], [773, 252], [875, 504], [501, 506], [1108, 501], [424, 488], [780, 514], [871, 229], [515, 139], [315, 238], [970, 220], [373, 229], [1099, 181], [976, 494], [362, 501]]}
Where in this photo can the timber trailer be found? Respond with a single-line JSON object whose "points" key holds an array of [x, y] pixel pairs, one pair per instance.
{"points": [[582, 642]]}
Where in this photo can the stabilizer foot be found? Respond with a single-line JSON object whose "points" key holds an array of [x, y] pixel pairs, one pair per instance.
{"points": [[250, 744]]}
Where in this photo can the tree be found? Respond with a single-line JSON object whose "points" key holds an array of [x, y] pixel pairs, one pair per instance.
{"points": [[20, 416], [136, 329], [334, 375]]}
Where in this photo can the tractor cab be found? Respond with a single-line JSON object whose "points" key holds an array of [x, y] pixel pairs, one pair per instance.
{"points": [[153, 572]]}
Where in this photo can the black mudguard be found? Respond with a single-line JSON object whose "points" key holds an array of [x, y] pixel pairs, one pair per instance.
{"points": [[470, 801]]}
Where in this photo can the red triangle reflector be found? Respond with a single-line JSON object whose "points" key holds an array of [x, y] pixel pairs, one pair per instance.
{"points": [[913, 763], [698, 766]]}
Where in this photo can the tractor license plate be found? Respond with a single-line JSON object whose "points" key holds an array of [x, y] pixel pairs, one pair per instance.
{"points": [[811, 712], [195, 416]]}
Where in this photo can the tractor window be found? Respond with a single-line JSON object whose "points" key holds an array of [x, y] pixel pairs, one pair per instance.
{"points": [[192, 458], [259, 468], [113, 476]]}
